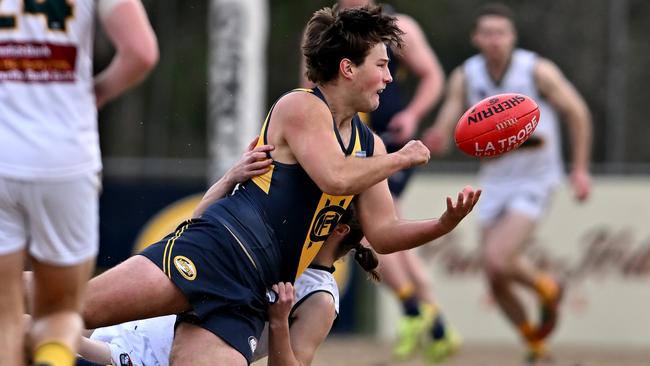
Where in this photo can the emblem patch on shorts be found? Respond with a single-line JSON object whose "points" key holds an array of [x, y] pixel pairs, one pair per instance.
{"points": [[185, 267], [253, 343]]}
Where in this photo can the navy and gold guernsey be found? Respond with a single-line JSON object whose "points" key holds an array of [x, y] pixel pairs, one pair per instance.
{"points": [[268, 230], [286, 212]]}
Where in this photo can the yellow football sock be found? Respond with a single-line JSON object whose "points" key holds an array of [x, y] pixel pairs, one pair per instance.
{"points": [[405, 291], [431, 309], [527, 331], [53, 353], [546, 287], [537, 347]]}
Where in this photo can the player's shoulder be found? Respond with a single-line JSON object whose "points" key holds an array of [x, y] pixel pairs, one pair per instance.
{"points": [[406, 22], [457, 72], [300, 104], [320, 302], [457, 78], [546, 69], [413, 33]]}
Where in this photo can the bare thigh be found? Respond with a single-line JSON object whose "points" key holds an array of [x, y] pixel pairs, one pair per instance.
{"points": [[11, 309], [504, 242], [392, 271], [58, 288], [417, 271], [196, 346], [134, 289]]}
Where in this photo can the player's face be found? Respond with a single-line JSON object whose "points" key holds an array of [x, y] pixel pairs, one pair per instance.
{"points": [[371, 78], [495, 37]]}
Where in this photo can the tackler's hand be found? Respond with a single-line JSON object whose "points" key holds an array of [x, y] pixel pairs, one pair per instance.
{"points": [[280, 310], [254, 162]]}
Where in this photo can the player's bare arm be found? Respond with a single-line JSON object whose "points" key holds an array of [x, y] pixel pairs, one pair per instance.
{"points": [[280, 350], [437, 136], [563, 96], [308, 332], [301, 131], [253, 162], [95, 351], [389, 234], [136, 48], [422, 61]]}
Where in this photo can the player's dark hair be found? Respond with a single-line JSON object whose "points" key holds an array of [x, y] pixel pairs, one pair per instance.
{"points": [[497, 9], [332, 35], [364, 256]]}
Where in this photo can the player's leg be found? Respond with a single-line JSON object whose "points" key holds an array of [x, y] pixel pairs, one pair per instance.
{"points": [[11, 309], [134, 289], [417, 274], [196, 346], [56, 325], [396, 277], [532, 200], [503, 243], [406, 275], [414, 321], [63, 219], [442, 339], [13, 239]]}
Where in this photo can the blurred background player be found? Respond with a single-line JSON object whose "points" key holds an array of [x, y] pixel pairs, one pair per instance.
{"points": [[50, 161], [519, 185], [396, 122]]}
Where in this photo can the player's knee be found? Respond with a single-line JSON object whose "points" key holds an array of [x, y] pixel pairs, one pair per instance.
{"points": [[63, 325], [93, 313], [498, 283], [495, 266]]}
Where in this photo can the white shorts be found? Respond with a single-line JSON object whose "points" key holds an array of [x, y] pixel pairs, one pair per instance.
{"points": [[58, 221], [142, 342], [530, 199]]}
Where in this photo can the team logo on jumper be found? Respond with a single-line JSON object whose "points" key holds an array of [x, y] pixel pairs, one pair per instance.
{"points": [[253, 343], [185, 267], [125, 360], [326, 220]]}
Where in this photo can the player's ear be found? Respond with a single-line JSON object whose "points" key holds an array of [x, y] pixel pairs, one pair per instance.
{"points": [[342, 229], [346, 68]]}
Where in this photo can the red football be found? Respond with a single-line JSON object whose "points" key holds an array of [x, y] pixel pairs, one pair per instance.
{"points": [[496, 125]]}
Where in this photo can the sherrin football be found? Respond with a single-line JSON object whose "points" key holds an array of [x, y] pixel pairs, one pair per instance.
{"points": [[496, 125]]}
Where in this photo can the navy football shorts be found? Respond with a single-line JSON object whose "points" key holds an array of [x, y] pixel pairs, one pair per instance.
{"points": [[207, 262]]}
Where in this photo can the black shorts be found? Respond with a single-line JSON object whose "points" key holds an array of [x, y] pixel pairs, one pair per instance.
{"points": [[228, 297]]}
